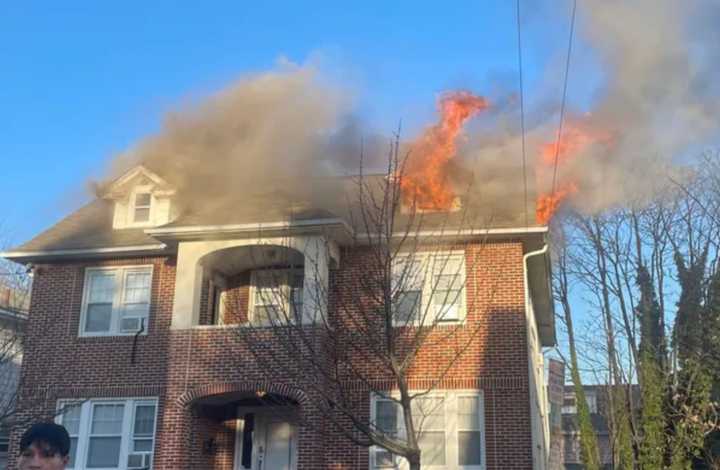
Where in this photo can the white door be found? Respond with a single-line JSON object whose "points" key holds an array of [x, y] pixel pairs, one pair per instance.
{"points": [[274, 444]]}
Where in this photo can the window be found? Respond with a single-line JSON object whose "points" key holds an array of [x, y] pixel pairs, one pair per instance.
{"points": [[116, 300], [449, 428], [277, 296], [429, 287], [141, 207], [570, 403], [4, 440], [110, 434]]}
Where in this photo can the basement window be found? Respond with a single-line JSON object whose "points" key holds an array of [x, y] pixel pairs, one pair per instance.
{"points": [[116, 301]]}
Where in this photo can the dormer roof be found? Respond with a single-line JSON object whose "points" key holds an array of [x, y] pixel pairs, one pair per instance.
{"points": [[137, 176]]}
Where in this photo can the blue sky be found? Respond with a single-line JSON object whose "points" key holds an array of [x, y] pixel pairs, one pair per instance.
{"points": [[84, 80]]}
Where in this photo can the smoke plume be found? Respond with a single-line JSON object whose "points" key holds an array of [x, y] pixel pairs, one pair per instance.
{"points": [[658, 100]]}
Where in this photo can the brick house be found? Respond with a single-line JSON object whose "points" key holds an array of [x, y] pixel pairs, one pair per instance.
{"points": [[132, 346]]}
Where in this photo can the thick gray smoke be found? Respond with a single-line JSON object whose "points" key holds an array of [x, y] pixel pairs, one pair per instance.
{"points": [[659, 99]]}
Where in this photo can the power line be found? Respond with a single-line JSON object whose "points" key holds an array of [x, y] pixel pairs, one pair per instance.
{"points": [[564, 96], [522, 111]]}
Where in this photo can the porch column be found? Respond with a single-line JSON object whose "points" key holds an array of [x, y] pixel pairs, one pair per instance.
{"points": [[318, 252]]}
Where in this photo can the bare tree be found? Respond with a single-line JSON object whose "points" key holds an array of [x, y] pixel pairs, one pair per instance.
{"points": [[646, 271], [397, 334], [14, 303]]}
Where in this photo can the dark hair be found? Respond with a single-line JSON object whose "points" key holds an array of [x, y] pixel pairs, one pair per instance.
{"points": [[54, 435]]}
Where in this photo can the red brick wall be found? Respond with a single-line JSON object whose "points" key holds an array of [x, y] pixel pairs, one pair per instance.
{"points": [[170, 364]]}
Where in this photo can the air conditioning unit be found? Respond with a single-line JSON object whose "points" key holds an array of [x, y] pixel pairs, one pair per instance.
{"points": [[130, 324], [140, 460]]}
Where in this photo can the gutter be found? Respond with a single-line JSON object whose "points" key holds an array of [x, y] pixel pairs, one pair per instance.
{"points": [[466, 233], [247, 228], [539, 457], [20, 255]]}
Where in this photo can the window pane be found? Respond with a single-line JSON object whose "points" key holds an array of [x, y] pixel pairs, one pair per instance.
{"points": [[71, 418], [142, 199], [144, 420], [408, 306], [384, 459], [386, 416], [137, 287], [73, 452], [468, 413], [263, 314], [103, 452], [429, 413], [98, 317], [142, 445], [432, 448], [469, 448], [102, 287], [107, 419], [142, 214]]}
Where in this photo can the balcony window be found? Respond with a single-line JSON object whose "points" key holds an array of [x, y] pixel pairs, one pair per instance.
{"points": [[276, 296]]}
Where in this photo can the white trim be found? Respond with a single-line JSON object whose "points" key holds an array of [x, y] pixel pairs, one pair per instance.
{"points": [[119, 290], [450, 410], [81, 251], [463, 233], [252, 227], [132, 173], [278, 225]]}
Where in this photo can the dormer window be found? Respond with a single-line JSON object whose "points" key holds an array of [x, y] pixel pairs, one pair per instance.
{"points": [[142, 199], [141, 209]]}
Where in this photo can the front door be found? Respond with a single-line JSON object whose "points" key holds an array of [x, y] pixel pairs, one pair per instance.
{"points": [[273, 441]]}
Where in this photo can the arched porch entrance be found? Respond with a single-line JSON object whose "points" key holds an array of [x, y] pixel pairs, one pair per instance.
{"points": [[246, 426]]}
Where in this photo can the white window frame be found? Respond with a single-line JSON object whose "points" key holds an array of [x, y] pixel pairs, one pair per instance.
{"points": [[116, 314], [450, 405], [429, 286], [87, 407], [283, 275], [131, 222]]}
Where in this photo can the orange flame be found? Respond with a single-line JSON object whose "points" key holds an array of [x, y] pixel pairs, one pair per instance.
{"points": [[547, 204], [424, 182], [576, 138]]}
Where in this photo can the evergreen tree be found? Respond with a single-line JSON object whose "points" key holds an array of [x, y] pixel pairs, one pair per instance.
{"points": [[652, 419]]}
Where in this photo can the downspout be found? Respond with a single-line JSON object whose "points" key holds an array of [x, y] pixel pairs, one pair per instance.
{"points": [[539, 460]]}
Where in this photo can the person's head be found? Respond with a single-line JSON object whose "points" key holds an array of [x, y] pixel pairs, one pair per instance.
{"points": [[45, 446]]}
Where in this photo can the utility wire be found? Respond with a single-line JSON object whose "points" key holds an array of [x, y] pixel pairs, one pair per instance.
{"points": [[522, 111], [564, 96]]}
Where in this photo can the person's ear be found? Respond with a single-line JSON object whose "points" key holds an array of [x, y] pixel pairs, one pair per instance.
{"points": [[66, 459]]}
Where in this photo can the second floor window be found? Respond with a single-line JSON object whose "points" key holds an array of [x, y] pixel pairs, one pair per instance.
{"points": [[116, 300], [429, 288]]}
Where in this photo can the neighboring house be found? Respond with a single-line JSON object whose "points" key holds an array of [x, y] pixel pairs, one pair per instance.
{"points": [[596, 396], [13, 316], [127, 334]]}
